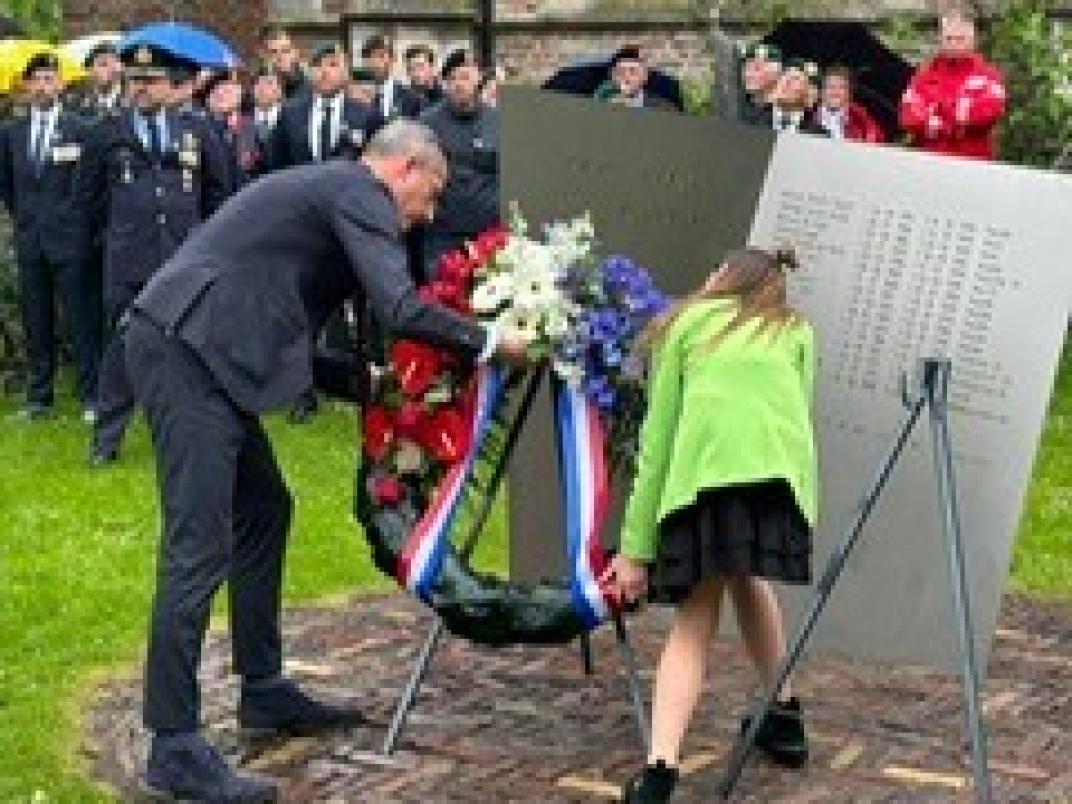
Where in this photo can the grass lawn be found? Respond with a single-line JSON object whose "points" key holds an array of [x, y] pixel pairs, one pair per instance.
{"points": [[77, 550]]}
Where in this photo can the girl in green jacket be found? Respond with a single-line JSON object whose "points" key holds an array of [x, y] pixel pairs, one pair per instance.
{"points": [[725, 494]]}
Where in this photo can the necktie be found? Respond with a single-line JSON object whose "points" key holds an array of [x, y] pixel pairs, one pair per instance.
{"points": [[325, 131], [153, 127]]}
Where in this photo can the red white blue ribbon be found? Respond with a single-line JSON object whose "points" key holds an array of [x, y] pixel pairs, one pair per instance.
{"points": [[421, 559], [585, 480], [582, 460]]}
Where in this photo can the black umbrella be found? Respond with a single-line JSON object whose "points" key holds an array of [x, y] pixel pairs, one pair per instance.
{"points": [[10, 27], [585, 77], [881, 75]]}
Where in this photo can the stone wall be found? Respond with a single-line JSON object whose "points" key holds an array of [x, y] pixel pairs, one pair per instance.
{"points": [[235, 20]]}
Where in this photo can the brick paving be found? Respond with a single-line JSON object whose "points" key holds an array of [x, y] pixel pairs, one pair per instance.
{"points": [[526, 724]]}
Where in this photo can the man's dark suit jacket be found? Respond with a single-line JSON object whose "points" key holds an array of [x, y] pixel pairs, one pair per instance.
{"points": [[251, 287], [51, 217], [290, 138]]}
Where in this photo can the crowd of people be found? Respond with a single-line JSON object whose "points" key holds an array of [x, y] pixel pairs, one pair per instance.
{"points": [[105, 180]]}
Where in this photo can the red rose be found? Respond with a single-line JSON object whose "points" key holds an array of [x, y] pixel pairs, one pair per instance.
{"points": [[455, 267], [410, 420], [490, 243], [415, 365], [452, 294], [388, 490], [378, 432], [446, 435]]}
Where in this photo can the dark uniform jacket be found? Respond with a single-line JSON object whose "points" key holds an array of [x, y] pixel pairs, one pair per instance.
{"points": [[251, 287], [146, 205], [50, 213], [470, 201], [290, 139], [404, 103]]}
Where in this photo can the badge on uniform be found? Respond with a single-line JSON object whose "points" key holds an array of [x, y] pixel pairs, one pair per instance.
{"points": [[128, 174], [189, 153], [65, 154]]}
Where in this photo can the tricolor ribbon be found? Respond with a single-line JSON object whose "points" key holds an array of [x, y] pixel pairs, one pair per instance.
{"points": [[421, 558], [582, 458]]}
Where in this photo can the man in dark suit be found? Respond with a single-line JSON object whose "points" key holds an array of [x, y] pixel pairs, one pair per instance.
{"points": [[40, 154], [103, 93], [267, 105], [469, 132], [322, 124], [151, 175], [220, 335], [422, 74], [393, 98], [628, 80], [278, 50]]}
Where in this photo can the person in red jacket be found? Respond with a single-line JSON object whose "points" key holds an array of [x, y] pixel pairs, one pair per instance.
{"points": [[840, 116], [953, 104]]}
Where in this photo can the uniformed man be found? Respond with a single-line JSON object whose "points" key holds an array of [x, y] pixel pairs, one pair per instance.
{"points": [[219, 336], [322, 124], [277, 50], [40, 155], [267, 105], [221, 98], [151, 176], [422, 74], [393, 98], [761, 69], [628, 81], [103, 93], [469, 133]]}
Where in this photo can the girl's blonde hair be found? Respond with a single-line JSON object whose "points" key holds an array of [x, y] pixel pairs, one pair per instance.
{"points": [[752, 277]]}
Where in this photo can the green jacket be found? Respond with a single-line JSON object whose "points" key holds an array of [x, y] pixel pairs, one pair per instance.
{"points": [[738, 412]]}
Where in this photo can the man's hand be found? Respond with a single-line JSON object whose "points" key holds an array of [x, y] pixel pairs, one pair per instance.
{"points": [[513, 350], [625, 581]]}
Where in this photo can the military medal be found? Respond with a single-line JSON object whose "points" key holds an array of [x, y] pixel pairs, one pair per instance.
{"points": [[128, 175]]}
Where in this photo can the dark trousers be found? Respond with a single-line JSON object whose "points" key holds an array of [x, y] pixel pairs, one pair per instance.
{"points": [[40, 282], [115, 396], [226, 512]]}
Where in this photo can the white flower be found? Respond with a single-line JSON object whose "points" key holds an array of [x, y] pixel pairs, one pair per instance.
{"points": [[536, 292], [491, 294], [408, 458], [520, 324]]}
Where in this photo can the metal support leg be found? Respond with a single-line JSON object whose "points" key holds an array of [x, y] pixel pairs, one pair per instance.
{"points": [[405, 703], [424, 658], [632, 672], [586, 655], [746, 742], [943, 464]]}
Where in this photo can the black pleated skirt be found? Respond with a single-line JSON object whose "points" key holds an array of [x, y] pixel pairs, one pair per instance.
{"points": [[752, 529]]}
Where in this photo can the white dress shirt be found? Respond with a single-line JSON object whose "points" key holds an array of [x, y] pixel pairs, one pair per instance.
{"points": [[335, 102], [42, 127]]}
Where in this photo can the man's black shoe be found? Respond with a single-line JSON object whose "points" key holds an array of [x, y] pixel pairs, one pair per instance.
{"points": [[185, 767], [277, 707], [653, 785], [782, 737]]}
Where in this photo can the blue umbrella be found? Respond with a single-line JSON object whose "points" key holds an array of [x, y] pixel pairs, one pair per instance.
{"points": [[185, 42]]}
